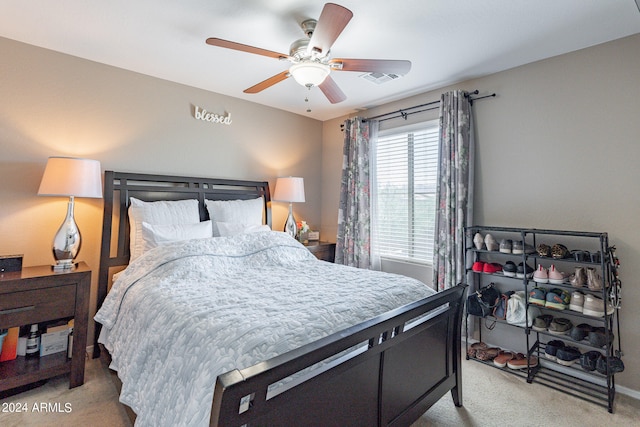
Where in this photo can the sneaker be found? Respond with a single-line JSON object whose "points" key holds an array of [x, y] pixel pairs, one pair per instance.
{"points": [[580, 332], [598, 337], [502, 358], [588, 360], [509, 269], [517, 247], [559, 251], [538, 296], [551, 349], [487, 353], [520, 362], [560, 326], [594, 281], [579, 278], [520, 272], [478, 241], [490, 243], [543, 250], [557, 299], [615, 364], [491, 267], [542, 322], [568, 355], [473, 348], [541, 275], [594, 306], [577, 301], [556, 277], [478, 266], [505, 246]]}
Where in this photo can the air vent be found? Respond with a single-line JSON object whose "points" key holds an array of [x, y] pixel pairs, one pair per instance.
{"points": [[379, 78]]}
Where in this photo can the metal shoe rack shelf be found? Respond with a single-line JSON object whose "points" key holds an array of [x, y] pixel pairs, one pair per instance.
{"points": [[590, 386]]}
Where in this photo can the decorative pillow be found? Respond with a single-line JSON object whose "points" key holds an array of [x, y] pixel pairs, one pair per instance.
{"points": [[234, 228], [247, 212], [158, 213], [156, 235]]}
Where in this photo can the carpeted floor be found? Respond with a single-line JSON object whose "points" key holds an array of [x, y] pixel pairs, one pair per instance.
{"points": [[491, 398]]}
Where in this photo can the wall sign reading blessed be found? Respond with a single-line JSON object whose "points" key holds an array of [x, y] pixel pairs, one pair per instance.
{"points": [[202, 114]]}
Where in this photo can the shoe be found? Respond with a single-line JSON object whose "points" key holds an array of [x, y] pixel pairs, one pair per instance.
{"points": [[478, 266], [542, 322], [520, 362], [577, 301], [478, 241], [588, 360], [551, 349], [598, 337], [490, 243], [520, 272], [580, 332], [541, 275], [473, 348], [487, 353], [594, 281], [579, 278], [538, 296], [491, 267], [560, 326], [556, 277], [543, 250], [502, 358], [594, 306], [559, 251], [509, 269], [615, 364], [596, 257], [568, 355], [517, 247], [557, 299], [505, 246], [581, 256]]}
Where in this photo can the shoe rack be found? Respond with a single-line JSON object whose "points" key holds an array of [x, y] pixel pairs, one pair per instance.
{"points": [[586, 252]]}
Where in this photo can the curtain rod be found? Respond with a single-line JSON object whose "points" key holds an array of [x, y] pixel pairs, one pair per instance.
{"points": [[403, 112]]}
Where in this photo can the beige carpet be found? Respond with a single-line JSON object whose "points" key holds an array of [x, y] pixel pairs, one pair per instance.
{"points": [[491, 398]]}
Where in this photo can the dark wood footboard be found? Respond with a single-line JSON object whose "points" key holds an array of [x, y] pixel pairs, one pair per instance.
{"points": [[385, 372]]}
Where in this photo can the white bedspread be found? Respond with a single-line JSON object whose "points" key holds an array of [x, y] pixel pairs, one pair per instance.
{"points": [[184, 313]]}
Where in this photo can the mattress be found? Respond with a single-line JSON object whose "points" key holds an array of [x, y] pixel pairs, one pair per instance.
{"points": [[184, 313]]}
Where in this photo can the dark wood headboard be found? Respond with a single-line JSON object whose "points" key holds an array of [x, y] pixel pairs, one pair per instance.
{"points": [[120, 186]]}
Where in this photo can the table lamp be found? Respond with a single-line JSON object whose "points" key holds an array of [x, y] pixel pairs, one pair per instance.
{"points": [[289, 189], [72, 177]]}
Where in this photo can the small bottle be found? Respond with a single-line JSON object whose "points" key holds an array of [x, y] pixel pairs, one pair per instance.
{"points": [[33, 342]]}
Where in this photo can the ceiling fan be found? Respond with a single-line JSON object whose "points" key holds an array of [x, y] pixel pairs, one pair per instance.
{"points": [[311, 58]]}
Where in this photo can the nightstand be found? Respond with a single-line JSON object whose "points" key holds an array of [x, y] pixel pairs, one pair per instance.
{"points": [[37, 295], [324, 251]]}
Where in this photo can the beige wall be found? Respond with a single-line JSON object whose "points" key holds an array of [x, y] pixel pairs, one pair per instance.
{"points": [[54, 104], [557, 148]]}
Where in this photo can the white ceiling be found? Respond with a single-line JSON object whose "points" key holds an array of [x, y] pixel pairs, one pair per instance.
{"points": [[447, 41]]}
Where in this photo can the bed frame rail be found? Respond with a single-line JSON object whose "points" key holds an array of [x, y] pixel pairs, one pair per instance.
{"points": [[389, 371]]}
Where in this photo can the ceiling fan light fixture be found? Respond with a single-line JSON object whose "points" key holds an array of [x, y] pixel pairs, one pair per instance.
{"points": [[310, 73]]}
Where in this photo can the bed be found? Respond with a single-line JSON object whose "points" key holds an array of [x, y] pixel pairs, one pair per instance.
{"points": [[248, 328]]}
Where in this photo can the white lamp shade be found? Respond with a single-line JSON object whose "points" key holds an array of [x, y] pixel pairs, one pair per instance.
{"points": [[309, 73], [289, 189], [68, 176]]}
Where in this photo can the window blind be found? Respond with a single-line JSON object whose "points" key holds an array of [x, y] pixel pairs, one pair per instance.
{"points": [[406, 177]]}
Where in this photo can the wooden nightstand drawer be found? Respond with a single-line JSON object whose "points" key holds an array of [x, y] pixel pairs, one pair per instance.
{"points": [[27, 307], [324, 251]]}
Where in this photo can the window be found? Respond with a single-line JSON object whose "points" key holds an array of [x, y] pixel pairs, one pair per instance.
{"points": [[405, 182]]}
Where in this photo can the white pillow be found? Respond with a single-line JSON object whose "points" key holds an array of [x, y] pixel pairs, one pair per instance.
{"points": [[234, 228], [156, 235], [247, 212], [158, 213]]}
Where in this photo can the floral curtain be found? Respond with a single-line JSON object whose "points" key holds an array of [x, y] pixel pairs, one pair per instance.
{"points": [[353, 246], [454, 194]]}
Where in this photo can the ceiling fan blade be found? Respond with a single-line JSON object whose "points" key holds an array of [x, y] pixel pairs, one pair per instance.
{"points": [[373, 65], [244, 48], [332, 91], [268, 83], [333, 19]]}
